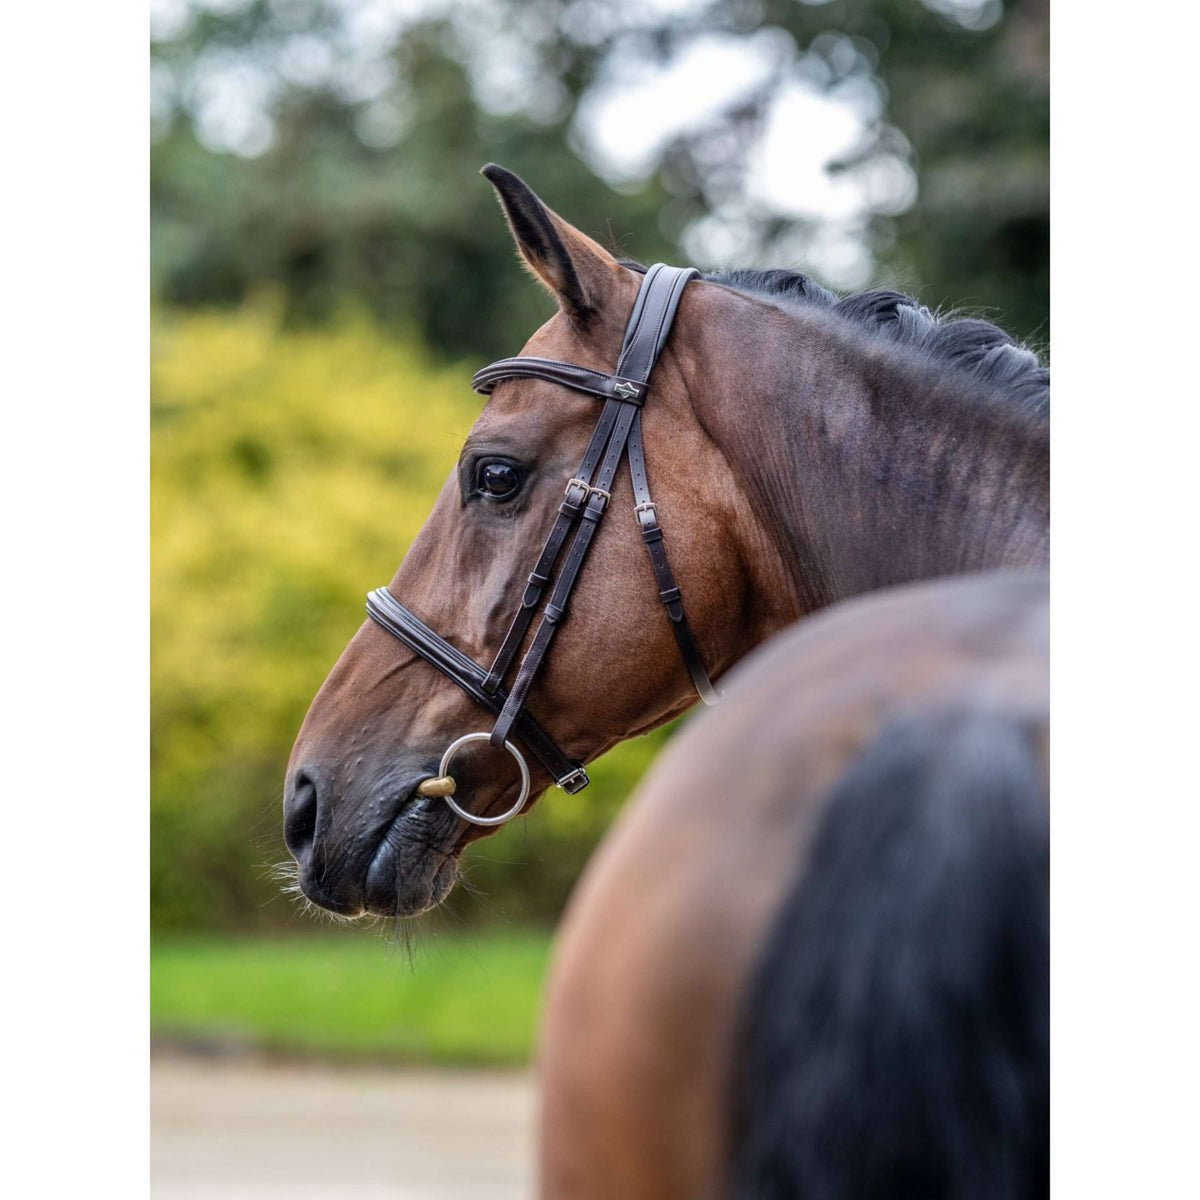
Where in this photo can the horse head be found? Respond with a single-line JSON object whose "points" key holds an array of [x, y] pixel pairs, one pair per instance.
{"points": [[364, 839]]}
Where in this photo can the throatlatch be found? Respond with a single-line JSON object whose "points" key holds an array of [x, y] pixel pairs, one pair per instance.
{"points": [[587, 497]]}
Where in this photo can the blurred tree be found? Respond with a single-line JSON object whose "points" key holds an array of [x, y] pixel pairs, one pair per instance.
{"points": [[963, 90], [297, 147], [407, 226]]}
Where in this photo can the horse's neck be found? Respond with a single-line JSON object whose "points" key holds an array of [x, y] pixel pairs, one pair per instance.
{"points": [[868, 468]]}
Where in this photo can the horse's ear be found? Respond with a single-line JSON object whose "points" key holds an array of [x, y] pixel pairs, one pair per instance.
{"points": [[576, 270]]}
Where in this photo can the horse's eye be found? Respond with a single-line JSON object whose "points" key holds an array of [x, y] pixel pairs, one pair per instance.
{"points": [[498, 480]]}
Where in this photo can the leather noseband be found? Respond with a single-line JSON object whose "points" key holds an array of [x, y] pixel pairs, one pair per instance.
{"points": [[619, 428]]}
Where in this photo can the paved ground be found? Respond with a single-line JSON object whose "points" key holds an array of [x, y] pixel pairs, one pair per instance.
{"points": [[242, 1131]]}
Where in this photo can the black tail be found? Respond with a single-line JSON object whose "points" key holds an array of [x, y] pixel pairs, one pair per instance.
{"points": [[896, 1035]]}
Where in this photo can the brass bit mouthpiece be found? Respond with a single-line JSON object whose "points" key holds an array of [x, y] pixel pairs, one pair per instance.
{"points": [[439, 787]]}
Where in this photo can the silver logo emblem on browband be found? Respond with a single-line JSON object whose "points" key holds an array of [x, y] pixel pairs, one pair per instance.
{"points": [[627, 391]]}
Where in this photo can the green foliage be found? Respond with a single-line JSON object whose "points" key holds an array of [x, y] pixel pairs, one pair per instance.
{"points": [[290, 471], [458, 1000], [365, 182], [408, 229]]}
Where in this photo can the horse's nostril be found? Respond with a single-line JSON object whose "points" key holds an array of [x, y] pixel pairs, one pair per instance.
{"points": [[301, 812]]}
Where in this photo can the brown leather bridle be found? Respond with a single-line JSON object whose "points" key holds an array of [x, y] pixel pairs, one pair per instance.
{"points": [[583, 507]]}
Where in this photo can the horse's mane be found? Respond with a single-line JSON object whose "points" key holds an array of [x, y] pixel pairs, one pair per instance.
{"points": [[979, 348]]}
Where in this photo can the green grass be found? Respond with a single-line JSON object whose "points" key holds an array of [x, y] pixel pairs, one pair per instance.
{"points": [[460, 999]]}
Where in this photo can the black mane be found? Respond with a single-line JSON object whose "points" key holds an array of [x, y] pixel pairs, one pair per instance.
{"points": [[978, 347]]}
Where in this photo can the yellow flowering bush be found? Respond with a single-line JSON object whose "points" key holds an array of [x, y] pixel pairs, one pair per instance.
{"points": [[290, 470]]}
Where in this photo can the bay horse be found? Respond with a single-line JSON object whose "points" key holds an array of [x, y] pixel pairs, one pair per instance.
{"points": [[803, 449], [811, 959]]}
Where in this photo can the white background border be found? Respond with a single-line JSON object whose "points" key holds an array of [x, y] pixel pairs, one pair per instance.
{"points": [[1126, 601], [75, 316]]}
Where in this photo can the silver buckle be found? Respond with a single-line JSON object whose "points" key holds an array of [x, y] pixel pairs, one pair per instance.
{"points": [[589, 491], [647, 506], [575, 776]]}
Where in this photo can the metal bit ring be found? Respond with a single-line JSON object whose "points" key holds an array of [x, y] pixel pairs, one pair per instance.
{"points": [[456, 808]]}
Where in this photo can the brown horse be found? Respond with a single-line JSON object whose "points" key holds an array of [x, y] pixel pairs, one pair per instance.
{"points": [[811, 960], [803, 449]]}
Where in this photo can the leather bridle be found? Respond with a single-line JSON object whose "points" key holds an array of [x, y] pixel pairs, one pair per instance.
{"points": [[619, 428]]}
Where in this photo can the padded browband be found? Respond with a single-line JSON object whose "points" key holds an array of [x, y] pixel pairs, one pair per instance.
{"points": [[582, 379], [402, 623]]}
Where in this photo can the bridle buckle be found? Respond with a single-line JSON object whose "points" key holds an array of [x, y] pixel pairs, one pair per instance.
{"points": [[646, 515], [588, 492], [575, 782]]}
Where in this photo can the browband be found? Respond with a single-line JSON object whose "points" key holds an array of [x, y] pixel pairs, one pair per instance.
{"points": [[582, 379], [618, 428]]}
